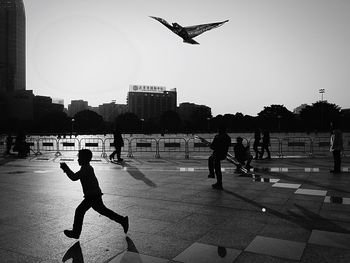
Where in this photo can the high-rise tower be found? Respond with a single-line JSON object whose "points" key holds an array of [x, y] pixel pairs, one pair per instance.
{"points": [[12, 46]]}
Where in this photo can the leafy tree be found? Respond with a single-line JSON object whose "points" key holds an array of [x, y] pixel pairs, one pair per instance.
{"points": [[319, 115], [200, 118], [276, 117], [170, 121], [129, 122], [55, 122], [88, 121]]}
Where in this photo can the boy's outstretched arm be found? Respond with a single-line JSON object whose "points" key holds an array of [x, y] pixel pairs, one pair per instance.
{"points": [[73, 176]]}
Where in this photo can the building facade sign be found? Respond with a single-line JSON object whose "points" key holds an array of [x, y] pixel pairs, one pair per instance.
{"points": [[145, 88]]}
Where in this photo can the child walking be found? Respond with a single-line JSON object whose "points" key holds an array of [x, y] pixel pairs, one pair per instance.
{"points": [[92, 195]]}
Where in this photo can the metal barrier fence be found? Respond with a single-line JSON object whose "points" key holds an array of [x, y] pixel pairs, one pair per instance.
{"points": [[68, 144], [280, 147], [47, 145], [93, 144], [346, 144], [143, 145], [321, 146], [172, 145], [296, 146]]}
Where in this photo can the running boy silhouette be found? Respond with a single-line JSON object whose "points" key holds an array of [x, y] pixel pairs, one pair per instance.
{"points": [[92, 195]]}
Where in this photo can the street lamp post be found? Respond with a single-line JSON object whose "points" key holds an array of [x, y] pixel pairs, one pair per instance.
{"points": [[72, 127], [142, 121], [321, 91]]}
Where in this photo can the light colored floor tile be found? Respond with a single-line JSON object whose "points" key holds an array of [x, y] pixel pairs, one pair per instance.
{"points": [[330, 239], [204, 253], [128, 256], [276, 247], [311, 192], [279, 169], [313, 169], [337, 200], [285, 185]]}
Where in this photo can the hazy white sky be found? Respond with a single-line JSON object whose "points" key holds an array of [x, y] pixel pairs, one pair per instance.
{"points": [[270, 52]]}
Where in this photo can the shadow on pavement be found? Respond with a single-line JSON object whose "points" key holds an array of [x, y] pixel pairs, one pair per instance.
{"points": [[74, 253], [138, 175], [309, 221]]}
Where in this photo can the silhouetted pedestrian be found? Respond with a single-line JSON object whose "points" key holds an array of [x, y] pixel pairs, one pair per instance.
{"points": [[257, 138], [336, 147], [118, 144], [265, 145], [242, 154], [220, 146], [8, 143], [92, 195], [21, 145]]}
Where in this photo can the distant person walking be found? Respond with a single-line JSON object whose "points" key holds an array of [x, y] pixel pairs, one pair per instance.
{"points": [[92, 195], [336, 147], [118, 144], [265, 145], [21, 145], [8, 143], [257, 138], [220, 146]]}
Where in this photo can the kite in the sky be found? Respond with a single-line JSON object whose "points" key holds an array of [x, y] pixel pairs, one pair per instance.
{"points": [[189, 32]]}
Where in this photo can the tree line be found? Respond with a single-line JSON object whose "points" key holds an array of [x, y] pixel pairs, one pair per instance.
{"points": [[275, 118]]}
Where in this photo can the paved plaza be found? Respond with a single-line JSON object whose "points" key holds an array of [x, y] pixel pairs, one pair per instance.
{"points": [[293, 210]]}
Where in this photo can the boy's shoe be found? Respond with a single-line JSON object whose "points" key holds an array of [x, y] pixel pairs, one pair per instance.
{"points": [[120, 159], [110, 158], [217, 186], [211, 176], [125, 224], [71, 234]]}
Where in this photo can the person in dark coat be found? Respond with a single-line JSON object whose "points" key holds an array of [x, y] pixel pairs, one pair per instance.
{"points": [[220, 146], [336, 147], [265, 145], [257, 138], [118, 144]]}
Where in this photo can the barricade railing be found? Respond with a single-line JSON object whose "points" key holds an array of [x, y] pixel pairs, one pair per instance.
{"points": [[33, 145], [346, 144], [143, 145], [68, 144], [321, 146], [47, 145], [2, 144], [109, 146], [296, 146], [93, 144], [281, 147], [172, 145], [196, 146]]}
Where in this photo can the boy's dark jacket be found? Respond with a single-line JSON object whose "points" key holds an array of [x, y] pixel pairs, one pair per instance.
{"points": [[88, 180]]}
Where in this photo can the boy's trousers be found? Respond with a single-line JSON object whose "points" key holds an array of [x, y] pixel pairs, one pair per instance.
{"points": [[97, 204]]}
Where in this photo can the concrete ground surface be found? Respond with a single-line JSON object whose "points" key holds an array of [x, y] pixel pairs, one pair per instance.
{"points": [[294, 210]]}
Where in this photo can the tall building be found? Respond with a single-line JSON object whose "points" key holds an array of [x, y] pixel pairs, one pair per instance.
{"points": [[77, 105], [151, 101], [188, 111], [12, 46], [109, 111]]}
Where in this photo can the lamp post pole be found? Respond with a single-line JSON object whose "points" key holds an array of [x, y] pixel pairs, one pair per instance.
{"points": [[321, 91]]}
